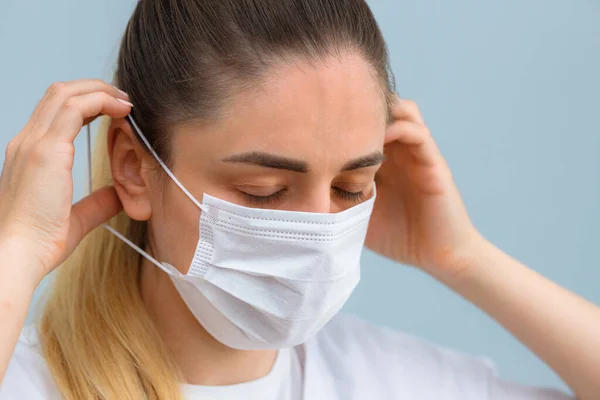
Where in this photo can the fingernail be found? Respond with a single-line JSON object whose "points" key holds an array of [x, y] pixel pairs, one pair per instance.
{"points": [[125, 102], [120, 91]]}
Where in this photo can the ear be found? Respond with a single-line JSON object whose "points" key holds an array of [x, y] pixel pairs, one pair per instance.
{"points": [[129, 169]]}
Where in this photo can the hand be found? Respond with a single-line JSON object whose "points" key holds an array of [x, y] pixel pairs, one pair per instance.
{"points": [[36, 185], [419, 217]]}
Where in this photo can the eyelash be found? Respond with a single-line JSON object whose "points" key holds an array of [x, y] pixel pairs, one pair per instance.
{"points": [[355, 197], [270, 199]]}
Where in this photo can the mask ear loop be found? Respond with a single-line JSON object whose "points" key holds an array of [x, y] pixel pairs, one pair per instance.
{"points": [[163, 165], [108, 227]]}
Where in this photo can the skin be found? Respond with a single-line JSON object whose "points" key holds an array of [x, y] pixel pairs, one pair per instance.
{"points": [[323, 116], [310, 116]]}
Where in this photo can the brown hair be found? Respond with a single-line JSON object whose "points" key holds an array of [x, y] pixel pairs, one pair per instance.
{"points": [[180, 60]]}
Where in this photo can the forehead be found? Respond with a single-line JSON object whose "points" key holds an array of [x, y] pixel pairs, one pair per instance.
{"points": [[304, 109]]}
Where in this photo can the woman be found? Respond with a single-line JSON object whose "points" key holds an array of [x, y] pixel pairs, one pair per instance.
{"points": [[243, 158]]}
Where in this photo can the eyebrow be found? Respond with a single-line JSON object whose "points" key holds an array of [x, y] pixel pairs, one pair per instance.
{"points": [[369, 160], [290, 164]]}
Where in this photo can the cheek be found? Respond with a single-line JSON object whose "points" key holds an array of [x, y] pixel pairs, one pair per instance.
{"points": [[175, 229]]}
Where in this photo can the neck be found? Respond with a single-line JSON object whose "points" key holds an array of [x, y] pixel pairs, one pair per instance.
{"points": [[202, 360]]}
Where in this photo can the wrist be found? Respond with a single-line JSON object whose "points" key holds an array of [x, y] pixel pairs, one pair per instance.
{"points": [[19, 263], [467, 262]]}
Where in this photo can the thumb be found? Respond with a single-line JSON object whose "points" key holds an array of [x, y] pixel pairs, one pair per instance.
{"points": [[89, 213]]}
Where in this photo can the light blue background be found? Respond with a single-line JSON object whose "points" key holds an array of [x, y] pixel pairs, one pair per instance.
{"points": [[510, 91]]}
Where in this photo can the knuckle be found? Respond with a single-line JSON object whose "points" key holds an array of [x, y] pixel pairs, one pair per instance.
{"points": [[101, 97], [11, 148], [99, 82], [57, 89], [71, 107], [411, 105], [97, 101]]}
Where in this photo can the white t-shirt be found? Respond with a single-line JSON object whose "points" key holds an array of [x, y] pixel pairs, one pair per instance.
{"points": [[348, 360]]}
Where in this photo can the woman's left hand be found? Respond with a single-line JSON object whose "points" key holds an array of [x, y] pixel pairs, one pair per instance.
{"points": [[419, 217]]}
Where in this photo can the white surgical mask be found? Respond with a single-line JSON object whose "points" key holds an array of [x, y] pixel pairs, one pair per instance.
{"points": [[267, 278]]}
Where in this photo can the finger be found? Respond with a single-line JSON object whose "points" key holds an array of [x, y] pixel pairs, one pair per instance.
{"points": [[417, 138], [60, 92], [91, 212], [408, 110], [80, 109]]}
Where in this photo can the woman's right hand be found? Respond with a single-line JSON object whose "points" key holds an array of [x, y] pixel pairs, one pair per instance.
{"points": [[36, 185]]}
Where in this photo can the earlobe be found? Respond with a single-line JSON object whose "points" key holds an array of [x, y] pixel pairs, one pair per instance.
{"points": [[127, 167]]}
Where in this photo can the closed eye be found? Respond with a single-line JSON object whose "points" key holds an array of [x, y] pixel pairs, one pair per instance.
{"points": [[354, 197], [261, 200]]}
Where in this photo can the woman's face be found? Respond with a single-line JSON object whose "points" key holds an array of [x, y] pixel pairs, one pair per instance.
{"points": [[310, 139]]}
